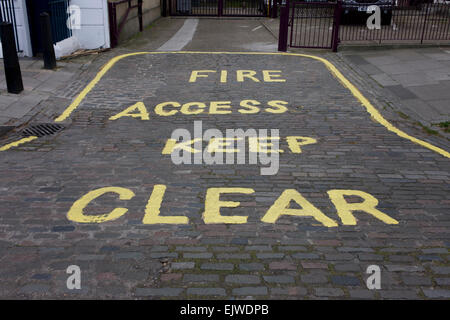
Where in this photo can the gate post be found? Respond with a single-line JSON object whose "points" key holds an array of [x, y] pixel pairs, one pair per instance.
{"points": [[336, 23], [274, 8], [112, 23], [164, 8], [284, 28], [140, 15], [220, 8]]}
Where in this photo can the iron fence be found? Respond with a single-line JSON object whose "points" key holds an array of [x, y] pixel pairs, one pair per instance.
{"points": [[312, 24], [325, 24], [411, 22], [8, 14], [60, 20], [227, 8]]}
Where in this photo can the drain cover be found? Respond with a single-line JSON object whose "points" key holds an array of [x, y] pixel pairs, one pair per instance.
{"points": [[41, 130]]}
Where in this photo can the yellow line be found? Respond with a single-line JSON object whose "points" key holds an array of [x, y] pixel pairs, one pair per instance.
{"points": [[374, 113], [17, 143], [91, 85]]}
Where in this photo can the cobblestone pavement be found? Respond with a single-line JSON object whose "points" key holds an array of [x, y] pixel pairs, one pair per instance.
{"points": [[293, 258]]}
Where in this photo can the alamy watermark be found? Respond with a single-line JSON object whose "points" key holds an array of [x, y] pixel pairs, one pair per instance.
{"points": [[374, 20], [235, 147], [74, 280], [373, 282], [74, 20]]}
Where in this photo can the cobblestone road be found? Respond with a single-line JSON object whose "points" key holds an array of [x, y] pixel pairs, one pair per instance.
{"points": [[294, 257]]}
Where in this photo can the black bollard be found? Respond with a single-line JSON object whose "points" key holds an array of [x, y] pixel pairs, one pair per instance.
{"points": [[47, 42], [164, 8], [10, 59], [284, 28]]}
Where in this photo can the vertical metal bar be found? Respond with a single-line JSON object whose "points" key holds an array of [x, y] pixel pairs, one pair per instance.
{"points": [[112, 23], [294, 23], [424, 25], [141, 22], [13, 14], [164, 8], [283, 32], [220, 8], [275, 9], [337, 18]]}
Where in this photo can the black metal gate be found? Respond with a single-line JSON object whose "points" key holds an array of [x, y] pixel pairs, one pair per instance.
{"points": [[218, 8], [59, 17], [7, 14], [327, 24], [312, 24]]}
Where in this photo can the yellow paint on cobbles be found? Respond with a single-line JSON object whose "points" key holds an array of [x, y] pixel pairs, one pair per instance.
{"points": [[281, 207], [225, 144], [153, 208], [294, 143], [374, 113], [76, 211], [213, 204], [172, 145], [17, 143], [171, 108], [143, 113], [92, 84], [345, 209]]}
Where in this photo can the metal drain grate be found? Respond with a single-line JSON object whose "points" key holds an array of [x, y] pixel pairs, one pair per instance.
{"points": [[41, 130]]}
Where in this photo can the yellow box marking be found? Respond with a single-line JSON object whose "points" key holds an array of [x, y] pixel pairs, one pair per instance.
{"points": [[17, 143], [374, 113]]}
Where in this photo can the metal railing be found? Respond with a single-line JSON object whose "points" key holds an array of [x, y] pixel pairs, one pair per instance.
{"points": [[227, 8], [8, 14], [412, 22], [312, 24], [60, 22], [326, 24]]}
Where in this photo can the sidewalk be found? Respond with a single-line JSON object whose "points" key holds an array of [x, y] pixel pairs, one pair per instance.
{"points": [[39, 85], [414, 80]]}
